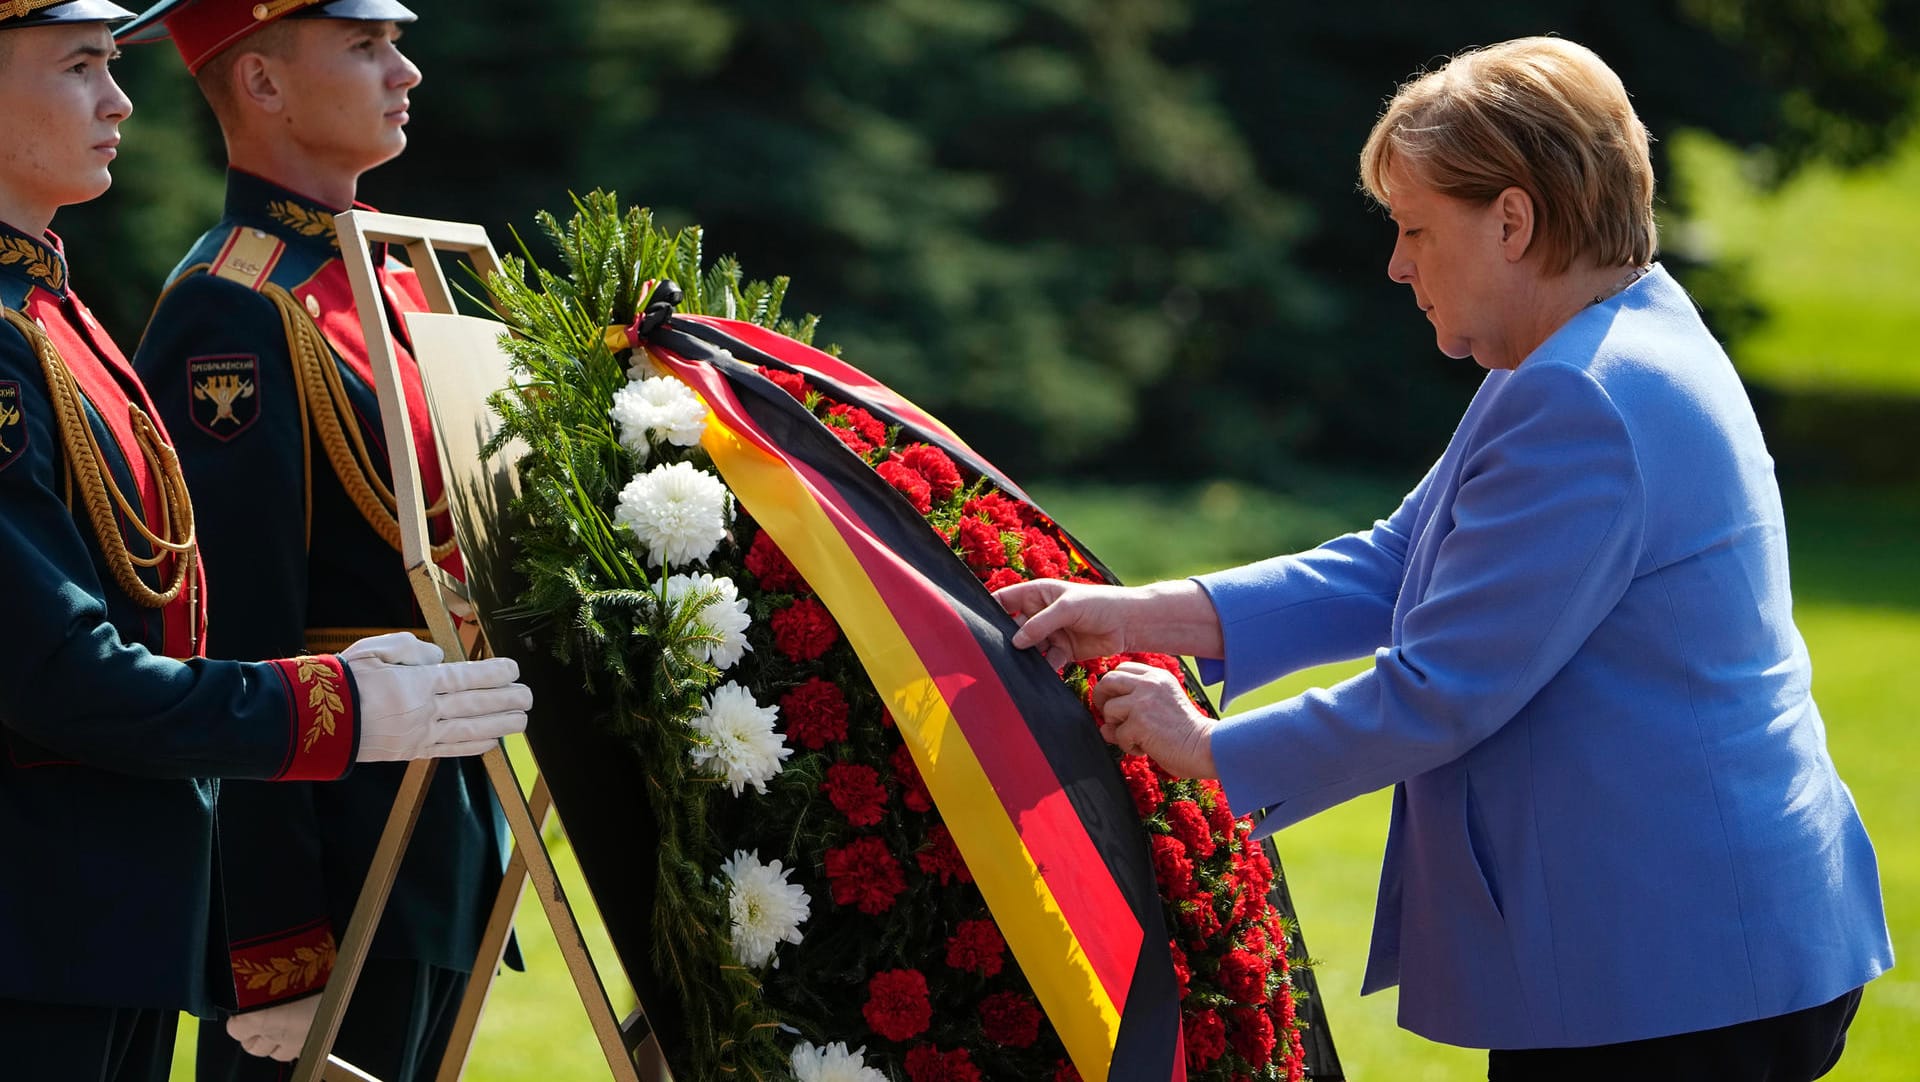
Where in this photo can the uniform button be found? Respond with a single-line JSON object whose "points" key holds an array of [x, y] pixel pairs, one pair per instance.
{"points": [[313, 306]]}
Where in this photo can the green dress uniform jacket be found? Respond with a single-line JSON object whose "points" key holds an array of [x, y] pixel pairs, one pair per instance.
{"points": [[110, 726], [280, 439]]}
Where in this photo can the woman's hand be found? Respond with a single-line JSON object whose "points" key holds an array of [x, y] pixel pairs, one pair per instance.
{"points": [[1068, 621], [1075, 621], [1147, 711]]}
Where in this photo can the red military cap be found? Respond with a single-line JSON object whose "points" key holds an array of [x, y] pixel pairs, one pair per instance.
{"points": [[201, 29]]}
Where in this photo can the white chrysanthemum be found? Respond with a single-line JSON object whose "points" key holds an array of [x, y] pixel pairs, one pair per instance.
{"points": [[656, 408], [678, 512], [738, 737], [766, 909], [725, 616], [832, 1064]]}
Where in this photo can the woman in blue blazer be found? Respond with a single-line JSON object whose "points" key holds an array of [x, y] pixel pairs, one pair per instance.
{"points": [[1619, 847]]}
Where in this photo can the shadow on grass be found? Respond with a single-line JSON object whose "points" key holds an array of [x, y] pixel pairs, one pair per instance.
{"points": [[1855, 546]]}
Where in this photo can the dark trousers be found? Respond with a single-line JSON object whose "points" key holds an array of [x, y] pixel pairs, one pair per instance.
{"points": [[50, 1042], [1797, 1047], [396, 1028]]}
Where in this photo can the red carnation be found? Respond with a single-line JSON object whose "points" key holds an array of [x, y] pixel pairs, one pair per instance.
{"points": [[1182, 972], [771, 568], [1282, 1010], [1189, 825], [1206, 1038], [1044, 557], [1254, 939], [897, 1006], [791, 382], [852, 439], [1244, 976], [980, 543], [933, 464], [1142, 783], [925, 1063], [815, 713], [1159, 661], [1065, 1071], [1219, 815], [1003, 577], [997, 509], [941, 859], [1296, 1058], [1198, 914], [1252, 1035], [859, 422], [855, 790], [1171, 866], [804, 630], [907, 774], [1010, 1018], [864, 874], [977, 947], [908, 482]]}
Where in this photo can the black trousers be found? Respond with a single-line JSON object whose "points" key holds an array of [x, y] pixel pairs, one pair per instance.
{"points": [[50, 1042], [396, 1028], [1797, 1047]]}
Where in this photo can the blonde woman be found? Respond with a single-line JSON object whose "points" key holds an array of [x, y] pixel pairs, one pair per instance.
{"points": [[1619, 848]]}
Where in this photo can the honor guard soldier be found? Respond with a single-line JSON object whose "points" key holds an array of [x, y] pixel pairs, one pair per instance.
{"points": [[111, 723], [256, 360]]}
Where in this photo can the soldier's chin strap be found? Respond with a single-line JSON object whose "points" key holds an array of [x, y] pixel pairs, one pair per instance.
{"points": [[323, 406], [100, 494]]}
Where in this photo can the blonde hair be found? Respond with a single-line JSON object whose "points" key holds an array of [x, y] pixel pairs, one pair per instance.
{"points": [[1540, 114]]}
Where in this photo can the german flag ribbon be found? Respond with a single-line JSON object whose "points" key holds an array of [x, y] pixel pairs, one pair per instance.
{"points": [[1029, 792]]}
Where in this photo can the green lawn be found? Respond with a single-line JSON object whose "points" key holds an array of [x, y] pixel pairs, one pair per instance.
{"points": [[1834, 257]]}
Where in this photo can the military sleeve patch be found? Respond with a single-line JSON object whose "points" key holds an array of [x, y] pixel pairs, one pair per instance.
{"points": [[224, 392], [13, 424]]}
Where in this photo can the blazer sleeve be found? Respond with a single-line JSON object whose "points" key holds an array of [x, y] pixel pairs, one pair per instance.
{"points": [[1548, 522], [71, 685], [1329, 604]]}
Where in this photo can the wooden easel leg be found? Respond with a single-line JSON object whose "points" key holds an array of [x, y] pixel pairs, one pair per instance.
{"points": [[493, 945], [529, 846], [352, 953]]}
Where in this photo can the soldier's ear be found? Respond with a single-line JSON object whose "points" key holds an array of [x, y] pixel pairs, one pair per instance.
{"points": [[256, 82]]}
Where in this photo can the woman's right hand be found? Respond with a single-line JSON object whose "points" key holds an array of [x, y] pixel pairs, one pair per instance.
{"points": [[1068, 621], [1076, 621]]}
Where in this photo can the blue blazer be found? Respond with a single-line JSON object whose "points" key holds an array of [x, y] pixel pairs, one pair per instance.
{"points": [[1614, 813]]}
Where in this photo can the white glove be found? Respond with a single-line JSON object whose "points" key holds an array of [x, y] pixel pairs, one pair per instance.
{"points": [[412, 706], [276, 1032]]}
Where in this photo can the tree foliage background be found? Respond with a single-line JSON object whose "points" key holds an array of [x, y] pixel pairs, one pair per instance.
{"points": [[1083, 231]]}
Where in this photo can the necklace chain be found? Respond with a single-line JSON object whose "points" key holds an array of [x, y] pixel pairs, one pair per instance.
{"points": [[1626, 280]]}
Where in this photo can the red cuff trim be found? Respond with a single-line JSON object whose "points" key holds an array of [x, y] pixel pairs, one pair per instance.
{"points": [[322, 722], [285, 966]]}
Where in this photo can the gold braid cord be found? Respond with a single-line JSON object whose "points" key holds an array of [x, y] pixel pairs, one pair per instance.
{"points": [[87, 468], [324, 397]]}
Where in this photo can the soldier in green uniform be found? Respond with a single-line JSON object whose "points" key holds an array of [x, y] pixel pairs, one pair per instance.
{"points": [[112, 724], [256, 360]]}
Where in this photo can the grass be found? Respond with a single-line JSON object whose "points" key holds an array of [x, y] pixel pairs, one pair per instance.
{"points": [[1834, 258]]}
